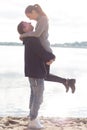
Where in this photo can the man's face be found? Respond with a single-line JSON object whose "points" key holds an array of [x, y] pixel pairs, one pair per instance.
{"points": [[27, 27]]}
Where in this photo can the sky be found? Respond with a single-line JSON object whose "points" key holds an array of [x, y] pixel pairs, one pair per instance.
{"points": [[67, 19]]}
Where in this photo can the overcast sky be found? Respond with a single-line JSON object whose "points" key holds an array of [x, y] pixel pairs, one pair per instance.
{"points": [[67, 19]]}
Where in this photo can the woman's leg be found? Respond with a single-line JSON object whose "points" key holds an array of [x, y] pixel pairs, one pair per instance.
{"points": [[66, 82], [53, 78]]}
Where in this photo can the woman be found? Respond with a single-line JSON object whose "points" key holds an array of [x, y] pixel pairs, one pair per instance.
{"points": [[34, 12]]}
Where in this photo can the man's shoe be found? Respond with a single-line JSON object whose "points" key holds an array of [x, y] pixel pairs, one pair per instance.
{"points": [[35, 124], [71, 84]]}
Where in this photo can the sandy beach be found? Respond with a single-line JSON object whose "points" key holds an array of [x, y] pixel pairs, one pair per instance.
{"points": [[21, 123]]}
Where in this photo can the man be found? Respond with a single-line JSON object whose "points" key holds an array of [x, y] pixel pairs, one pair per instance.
{"points": [[35, 59]]}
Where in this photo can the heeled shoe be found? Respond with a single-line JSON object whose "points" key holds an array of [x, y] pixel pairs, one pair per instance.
{"points": [[66, 85], [71, 84]]}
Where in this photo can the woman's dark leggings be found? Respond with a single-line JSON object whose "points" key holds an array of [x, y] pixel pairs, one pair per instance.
{"points": [[53, 78]]}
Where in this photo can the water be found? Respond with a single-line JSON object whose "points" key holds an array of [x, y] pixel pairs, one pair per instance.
{"points": [[15, 91]]}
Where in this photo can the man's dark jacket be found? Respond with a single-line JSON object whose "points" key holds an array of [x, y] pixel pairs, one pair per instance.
{"points": [[35, 58]]}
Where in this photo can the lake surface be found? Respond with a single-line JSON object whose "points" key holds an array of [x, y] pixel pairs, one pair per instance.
{"points": [[15, 90]]}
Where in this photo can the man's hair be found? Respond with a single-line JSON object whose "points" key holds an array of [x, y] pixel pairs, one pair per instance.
{"points": [[20, 28]]}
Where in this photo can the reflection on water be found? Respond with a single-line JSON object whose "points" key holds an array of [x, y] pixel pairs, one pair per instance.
{"points": [[14, 87]]}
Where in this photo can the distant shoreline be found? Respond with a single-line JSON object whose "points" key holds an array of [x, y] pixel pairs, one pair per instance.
{"points": [[10, 44], [71, 45], [64, 45]]}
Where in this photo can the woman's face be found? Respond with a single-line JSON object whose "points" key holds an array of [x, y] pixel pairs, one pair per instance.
{"points": [[27, 27], [33, 15]]}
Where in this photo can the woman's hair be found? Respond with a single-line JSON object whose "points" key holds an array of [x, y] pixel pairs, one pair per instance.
{"points": [[20, 28], [35, 7]]}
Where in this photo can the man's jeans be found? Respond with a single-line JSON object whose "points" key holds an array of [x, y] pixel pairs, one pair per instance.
{"points": [[36, 97]]}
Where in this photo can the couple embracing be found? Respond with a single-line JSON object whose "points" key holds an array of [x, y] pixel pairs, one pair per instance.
{"points": [[38, 58]]}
